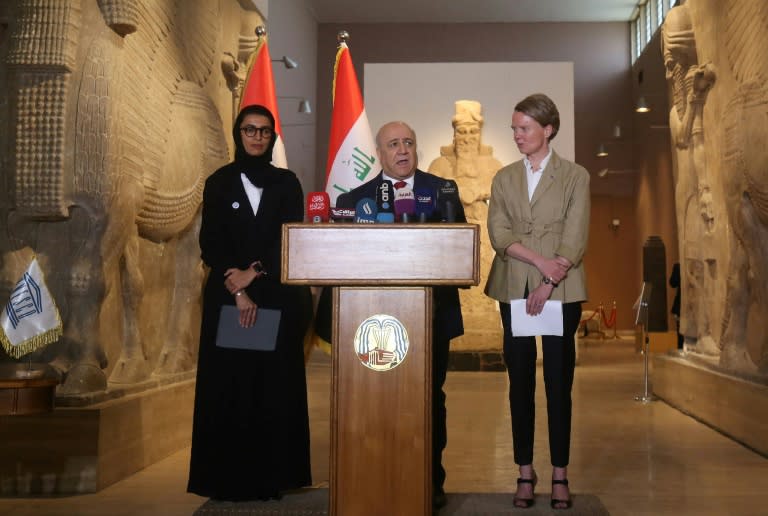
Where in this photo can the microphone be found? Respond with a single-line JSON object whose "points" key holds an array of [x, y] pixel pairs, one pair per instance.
{"points": [[405, 204], [342, 215], [318, 206], [384, 201], [448, 201], [425, 204], [365, 211]]}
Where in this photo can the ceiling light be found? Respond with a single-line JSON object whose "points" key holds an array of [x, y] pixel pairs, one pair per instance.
{"points": [[287, 61], [642, 106]]}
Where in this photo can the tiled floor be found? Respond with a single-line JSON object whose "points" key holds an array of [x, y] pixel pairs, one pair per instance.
{"points": [[639, 459]]}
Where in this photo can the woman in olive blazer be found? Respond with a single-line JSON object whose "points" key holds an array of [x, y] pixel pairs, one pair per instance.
{"points": [[538, 223]]}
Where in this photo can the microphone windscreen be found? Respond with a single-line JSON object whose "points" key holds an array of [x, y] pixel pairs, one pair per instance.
{"points": [[448, 201], [318, 206], [405, 204], [385, 193], [425, 204], [342, 215], [365, 211]]}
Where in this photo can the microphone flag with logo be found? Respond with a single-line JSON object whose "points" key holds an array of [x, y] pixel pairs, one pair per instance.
{"points": [[351, 149], [366, 211], [385, 199], [405, 204], [259, 88], [30, 320], [425, 204], [318, 207]]}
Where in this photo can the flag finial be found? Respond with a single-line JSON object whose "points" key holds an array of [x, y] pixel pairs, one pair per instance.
{"points": [[342, 37], [261, 31]]}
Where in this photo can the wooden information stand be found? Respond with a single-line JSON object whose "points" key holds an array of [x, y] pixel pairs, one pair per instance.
{"points": [[381, 426]]}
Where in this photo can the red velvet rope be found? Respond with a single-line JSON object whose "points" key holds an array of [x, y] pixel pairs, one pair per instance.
{"points": [[589, 318], [612, 319]]}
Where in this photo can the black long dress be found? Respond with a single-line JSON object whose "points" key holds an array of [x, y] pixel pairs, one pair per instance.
{"points": [[250, 436]]}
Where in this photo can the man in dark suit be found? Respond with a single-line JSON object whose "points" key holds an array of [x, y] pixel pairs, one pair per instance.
{"points": [[396, 149]]}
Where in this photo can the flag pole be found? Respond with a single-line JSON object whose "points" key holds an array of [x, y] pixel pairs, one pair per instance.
{"points": [[260, 31]]}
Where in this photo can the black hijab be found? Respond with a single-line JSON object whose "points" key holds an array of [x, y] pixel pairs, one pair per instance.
{"points": [[258, 169]]}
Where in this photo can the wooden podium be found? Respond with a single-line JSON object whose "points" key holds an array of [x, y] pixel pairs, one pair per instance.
{"points": [[381, 425]]}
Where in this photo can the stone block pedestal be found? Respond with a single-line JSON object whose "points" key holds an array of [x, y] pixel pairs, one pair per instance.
{"points": [[75, 450], [734, 406]]}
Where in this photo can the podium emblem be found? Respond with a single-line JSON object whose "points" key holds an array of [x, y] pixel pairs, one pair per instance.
{"points": [[381, 342]]}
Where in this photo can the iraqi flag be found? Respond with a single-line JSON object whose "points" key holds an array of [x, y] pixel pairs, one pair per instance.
{"points": [[259, 88], [351, 150], [30, 320]]}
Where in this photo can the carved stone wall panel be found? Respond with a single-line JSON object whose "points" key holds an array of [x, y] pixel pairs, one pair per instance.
{"points": [[115, 138], [47, 33], [121, 15], [726, 220], [199, 29], [94, 124], [41, 56], [40, 143]]}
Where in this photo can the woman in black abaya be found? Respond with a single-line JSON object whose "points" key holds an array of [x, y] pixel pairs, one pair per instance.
{"points": [[250, 435]]}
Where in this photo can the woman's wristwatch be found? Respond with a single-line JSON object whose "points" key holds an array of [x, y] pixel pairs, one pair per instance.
{"points": [[548, 281], [256, 266]]}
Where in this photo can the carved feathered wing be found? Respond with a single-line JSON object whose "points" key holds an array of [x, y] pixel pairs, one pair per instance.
{"points": [[745, 39]]}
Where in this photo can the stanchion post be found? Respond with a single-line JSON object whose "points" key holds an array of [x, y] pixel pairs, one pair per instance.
{"points": [[647, 396], [641, 320]]}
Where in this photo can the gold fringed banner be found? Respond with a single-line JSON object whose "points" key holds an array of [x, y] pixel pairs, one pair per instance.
{"points": [[30, 320], [30, 345]]}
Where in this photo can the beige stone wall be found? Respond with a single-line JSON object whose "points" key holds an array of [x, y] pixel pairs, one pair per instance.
{"points": [[114, 113]]}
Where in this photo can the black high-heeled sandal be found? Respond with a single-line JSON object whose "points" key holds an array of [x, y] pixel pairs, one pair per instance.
{"points": [[525, 503], [554, 502]]}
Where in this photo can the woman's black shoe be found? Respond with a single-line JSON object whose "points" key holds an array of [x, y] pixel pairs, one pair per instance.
{"points": [[525, 503], [557, 504]]}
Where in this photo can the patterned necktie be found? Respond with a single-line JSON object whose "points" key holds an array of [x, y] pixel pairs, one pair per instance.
{"points": [[400, 184]]}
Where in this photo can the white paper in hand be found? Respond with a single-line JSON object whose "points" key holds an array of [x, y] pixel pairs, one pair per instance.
{"points": [[548, 322]]}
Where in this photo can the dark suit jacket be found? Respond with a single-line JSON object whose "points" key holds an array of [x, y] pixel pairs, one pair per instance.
{"points": [[447, 320]]}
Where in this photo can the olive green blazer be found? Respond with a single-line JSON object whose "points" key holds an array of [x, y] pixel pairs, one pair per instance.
{"points": [[554, 222]]}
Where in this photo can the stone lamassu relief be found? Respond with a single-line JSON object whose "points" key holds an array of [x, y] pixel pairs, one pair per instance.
{"points": [[720, 130], [699, 230], [472, 165], [745, 174], [117, 112]]}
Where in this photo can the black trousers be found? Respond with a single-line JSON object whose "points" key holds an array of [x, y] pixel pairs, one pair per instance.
{"points": [[440, 350], [559, 363]]}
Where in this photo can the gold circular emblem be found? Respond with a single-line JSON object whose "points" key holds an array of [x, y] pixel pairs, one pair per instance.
{"points": [[381, 342]]}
